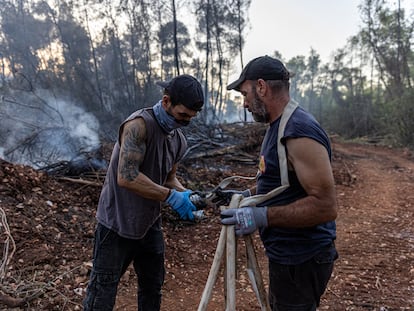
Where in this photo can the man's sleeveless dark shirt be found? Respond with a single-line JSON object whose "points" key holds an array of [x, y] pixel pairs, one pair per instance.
{"points": [[291, 245], [123, 211]]}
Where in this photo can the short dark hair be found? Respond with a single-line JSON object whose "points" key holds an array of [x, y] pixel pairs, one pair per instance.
{"points": [[186, 90]]}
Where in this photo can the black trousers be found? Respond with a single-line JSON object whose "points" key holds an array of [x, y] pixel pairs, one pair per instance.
{"points": [[112, 256], [300, 287]]}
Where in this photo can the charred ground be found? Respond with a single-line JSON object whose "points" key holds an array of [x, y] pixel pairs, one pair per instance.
{"points": [[52, 221]]}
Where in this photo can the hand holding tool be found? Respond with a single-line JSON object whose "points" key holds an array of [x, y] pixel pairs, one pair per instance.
{"points": [[181, 203]]}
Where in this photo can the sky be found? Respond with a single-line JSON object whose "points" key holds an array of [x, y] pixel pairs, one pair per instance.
{"points": [[293, 27]]}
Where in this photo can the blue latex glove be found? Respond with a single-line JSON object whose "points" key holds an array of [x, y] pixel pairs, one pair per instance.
{"points": [[180, 202], [245, 219]]}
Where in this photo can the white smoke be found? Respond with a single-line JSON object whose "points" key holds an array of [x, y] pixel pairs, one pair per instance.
{"points": [[83, 127], [41, 129]]}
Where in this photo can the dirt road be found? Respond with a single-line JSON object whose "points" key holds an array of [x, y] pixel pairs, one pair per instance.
{"points": [[375, 232]]}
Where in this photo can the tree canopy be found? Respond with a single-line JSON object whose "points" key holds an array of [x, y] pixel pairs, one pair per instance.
{"points": [[105, 57]]}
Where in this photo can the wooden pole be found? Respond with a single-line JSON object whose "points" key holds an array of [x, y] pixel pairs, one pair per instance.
{"points": [[257, 280], [230, 269], [227, 243], [215, 267], [231, 259]]}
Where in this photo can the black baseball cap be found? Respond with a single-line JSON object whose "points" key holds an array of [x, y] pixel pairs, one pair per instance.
{"points": [[186, 90], [263, 67]]}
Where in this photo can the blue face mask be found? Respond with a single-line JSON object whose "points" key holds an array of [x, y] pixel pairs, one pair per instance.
{"points": [[167, 122]]}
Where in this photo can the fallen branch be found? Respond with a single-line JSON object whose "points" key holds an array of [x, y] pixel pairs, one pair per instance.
{"points": [[38, 290], [12, 302], [351, 176], [7, 254], [214, 152], [81, 181]]}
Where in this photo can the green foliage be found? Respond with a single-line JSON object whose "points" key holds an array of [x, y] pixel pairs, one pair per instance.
{"points": [[379, 105], [401, 119]]}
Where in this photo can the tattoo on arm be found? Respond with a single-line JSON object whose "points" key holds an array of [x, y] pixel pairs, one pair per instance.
{"points": [[132, 152]]}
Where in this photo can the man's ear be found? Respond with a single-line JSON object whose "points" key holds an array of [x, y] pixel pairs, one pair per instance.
{"points": [[261, 87], [165, 100]]}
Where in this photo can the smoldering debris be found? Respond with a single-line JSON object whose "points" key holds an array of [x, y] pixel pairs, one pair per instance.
{"points": [[40, 129]]}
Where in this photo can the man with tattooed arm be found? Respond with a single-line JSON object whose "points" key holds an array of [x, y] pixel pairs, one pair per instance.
{"points": [[142, 175]]}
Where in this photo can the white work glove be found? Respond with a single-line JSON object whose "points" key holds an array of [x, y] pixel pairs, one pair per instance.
{"points": [[246, 219]]}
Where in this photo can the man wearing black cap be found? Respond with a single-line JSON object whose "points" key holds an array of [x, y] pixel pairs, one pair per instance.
{"points": [[294, 205], [141, 175]]}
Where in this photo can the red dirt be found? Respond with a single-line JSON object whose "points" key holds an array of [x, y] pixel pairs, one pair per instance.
{"points": [[52, 224]]}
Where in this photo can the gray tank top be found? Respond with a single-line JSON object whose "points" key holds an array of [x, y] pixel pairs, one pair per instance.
{"points": [[123, 211]]}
